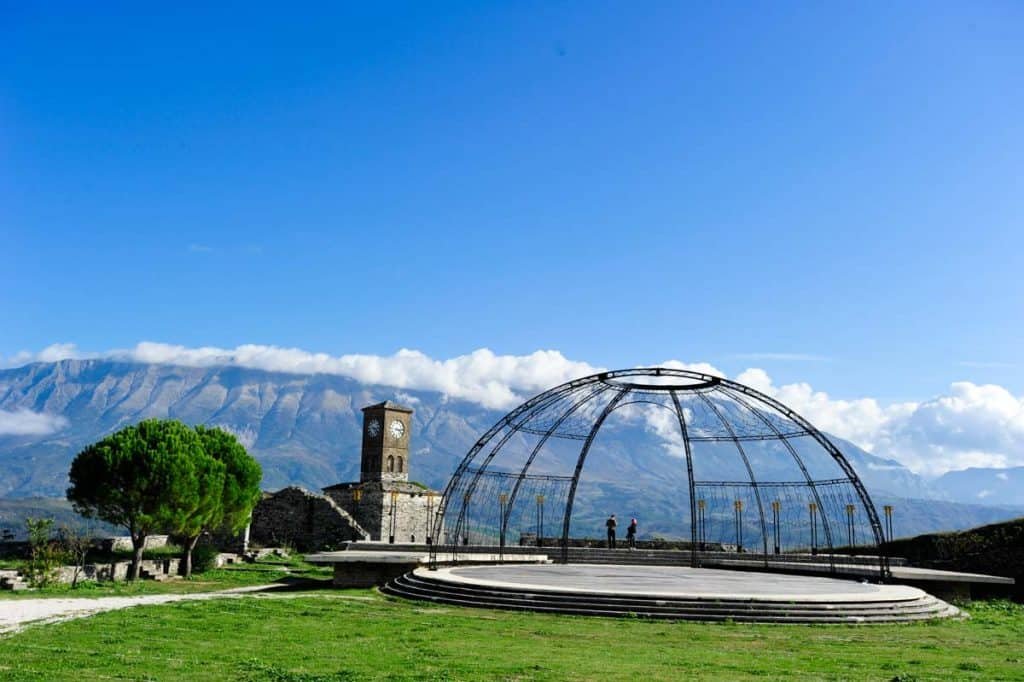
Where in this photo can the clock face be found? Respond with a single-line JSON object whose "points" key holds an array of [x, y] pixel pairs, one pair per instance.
{"points": [[373, 428], [397, 429]]}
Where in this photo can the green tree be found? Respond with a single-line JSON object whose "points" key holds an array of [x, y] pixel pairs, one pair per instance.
{"points": [[229, 495], [147, 478], [210, 476], [242, 478]]}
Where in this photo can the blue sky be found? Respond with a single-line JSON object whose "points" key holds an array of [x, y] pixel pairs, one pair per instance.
{"points": [[832, 193]]}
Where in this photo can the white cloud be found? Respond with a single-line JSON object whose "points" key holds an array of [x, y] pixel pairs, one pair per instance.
{"points": [[492, 380], [406, 398], [58, 351], [1002, 477], [702, 367], [24, 422], [665, 424], [969, 425]]}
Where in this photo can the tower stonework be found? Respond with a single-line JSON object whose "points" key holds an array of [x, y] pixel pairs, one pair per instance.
{"points": [[389, 506], [385, 453]]}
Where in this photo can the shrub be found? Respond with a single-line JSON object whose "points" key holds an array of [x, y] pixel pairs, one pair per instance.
{"points": [[204, 558], [45, 555]]}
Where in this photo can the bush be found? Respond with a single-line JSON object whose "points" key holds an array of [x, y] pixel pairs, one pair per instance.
{"points": [[45, 555], [168, 551], [204, 558]]}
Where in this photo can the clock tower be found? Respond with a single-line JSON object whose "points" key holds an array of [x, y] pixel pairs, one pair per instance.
{"points": [[384, 503], [385, 455]]}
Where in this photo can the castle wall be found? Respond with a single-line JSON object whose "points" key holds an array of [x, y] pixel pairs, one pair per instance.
{"points": [[303, 520], [413, 510]]}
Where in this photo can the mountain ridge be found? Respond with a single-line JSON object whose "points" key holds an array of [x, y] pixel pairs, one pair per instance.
{"points": [[306, 429]]}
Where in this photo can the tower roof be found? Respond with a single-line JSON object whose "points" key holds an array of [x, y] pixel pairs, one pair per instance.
{"points": [[388, 405]]}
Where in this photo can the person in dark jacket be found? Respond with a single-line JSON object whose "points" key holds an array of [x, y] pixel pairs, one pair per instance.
{"points": [[611, 523], [631, 534]]}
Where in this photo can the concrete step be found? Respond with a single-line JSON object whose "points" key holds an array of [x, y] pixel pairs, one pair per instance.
{"points": [[702, 615], [681, 615], [741, 610], [630, 601], [722, 612], [413, 581]]}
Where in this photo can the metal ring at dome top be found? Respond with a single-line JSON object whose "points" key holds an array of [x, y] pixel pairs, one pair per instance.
{"points": [[706, 383]]}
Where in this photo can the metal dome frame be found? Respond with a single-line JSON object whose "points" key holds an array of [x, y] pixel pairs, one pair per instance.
{"points": [[625, 382]]}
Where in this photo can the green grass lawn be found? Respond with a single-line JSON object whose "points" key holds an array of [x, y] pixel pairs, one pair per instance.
{"points": [[268, 570], [360, 634]]}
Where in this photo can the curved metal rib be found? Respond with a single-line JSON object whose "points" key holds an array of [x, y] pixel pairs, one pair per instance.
{"points": [[869, 507], [479, 445], [803, 470], [536, 450], [750, 471], [579, 468], [706, 383], [689, 476], [513, 429]]}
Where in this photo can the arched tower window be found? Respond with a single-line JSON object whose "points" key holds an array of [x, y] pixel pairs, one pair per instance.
{"points": [[400, 465], [391, 464]]}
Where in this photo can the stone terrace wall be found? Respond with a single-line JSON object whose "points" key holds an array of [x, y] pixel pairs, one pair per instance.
{"points": [[996, 549], [303, 520]]}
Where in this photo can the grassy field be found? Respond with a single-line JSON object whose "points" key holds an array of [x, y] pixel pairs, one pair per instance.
{"points": [[359, 634], [268, 570]]}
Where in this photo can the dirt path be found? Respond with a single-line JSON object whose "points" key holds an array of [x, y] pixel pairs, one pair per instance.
{"points": [[14, 613]]}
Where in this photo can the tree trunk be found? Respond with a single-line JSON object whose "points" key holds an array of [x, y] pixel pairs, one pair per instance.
{"points": [[138, 545], [190, 544]]}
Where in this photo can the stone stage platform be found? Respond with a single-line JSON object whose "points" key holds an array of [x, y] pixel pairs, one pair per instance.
{"points": [[373, 568], [669, 592]]}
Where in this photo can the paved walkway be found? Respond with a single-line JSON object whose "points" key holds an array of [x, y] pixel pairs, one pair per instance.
{"points": [[14, 613]]}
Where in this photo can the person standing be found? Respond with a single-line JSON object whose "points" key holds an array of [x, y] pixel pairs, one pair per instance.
{"points": [[631, 534], [611, 523]]}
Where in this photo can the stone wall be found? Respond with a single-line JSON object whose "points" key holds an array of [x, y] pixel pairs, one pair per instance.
{"points": [[996, 549], [123, 543], [411, 510], [303, 520], [118, 570]]}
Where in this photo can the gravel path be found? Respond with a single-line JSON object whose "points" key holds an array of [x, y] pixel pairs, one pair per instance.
{"points": [[14, 613]]}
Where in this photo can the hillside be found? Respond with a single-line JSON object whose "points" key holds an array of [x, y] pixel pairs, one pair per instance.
{"points": [[991, 486], [14, 511], [305, 430]]}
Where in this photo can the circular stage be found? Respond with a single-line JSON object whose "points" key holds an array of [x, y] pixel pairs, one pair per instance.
{"points": [[669, 592]]}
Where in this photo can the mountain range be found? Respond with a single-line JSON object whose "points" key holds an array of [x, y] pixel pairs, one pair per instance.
{"points": [[983, 485], [306, 430]]}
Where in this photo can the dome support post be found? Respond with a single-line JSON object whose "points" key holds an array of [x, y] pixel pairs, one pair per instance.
{"points": [[689, 478], [540, 446], [456, 478], [858, 485], [579, 468], [750, 471], [803, 470]]}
